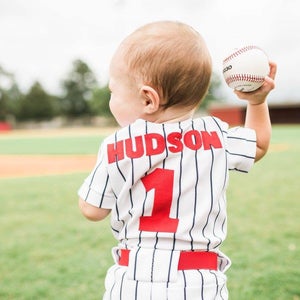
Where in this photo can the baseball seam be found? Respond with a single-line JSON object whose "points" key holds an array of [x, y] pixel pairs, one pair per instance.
{"points": [[244, 77], [239, 52]]}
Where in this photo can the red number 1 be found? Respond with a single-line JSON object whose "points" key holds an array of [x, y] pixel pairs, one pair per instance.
{"points": [[161, 180]]}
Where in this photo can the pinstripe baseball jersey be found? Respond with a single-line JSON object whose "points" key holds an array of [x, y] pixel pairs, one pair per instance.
{"points": [[165, 183]]}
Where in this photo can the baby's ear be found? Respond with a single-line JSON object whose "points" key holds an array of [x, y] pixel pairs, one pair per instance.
{"points": [[150, 98]]}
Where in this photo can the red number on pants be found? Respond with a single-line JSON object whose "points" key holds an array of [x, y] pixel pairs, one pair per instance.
{"points": [[161, 180]]}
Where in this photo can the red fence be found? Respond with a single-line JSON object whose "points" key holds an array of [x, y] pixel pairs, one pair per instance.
{"points": [[279, 113]]}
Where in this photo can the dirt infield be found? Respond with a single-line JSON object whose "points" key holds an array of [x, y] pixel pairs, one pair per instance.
{"points": [[39, 165], [12, 166]]}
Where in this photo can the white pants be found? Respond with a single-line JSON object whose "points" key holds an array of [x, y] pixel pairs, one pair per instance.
{"points": [[189, 285]]}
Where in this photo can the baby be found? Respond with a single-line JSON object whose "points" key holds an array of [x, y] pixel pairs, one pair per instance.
{"points": [[163, 175]]}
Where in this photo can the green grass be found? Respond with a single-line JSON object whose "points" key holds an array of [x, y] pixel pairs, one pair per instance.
{"points": [[49, 251], [50, 145], [264, 227]]}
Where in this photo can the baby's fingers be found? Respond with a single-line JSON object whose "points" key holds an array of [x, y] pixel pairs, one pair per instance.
{"points": [[273, 70]]}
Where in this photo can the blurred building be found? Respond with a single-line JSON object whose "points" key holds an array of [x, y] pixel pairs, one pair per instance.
{"points": [[283, 113]]}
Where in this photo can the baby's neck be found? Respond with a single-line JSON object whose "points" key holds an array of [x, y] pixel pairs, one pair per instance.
{"points": [[172, 115]]}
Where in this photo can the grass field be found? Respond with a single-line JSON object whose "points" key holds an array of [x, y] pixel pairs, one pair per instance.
{"points": [[50, 145], [49, 251]]}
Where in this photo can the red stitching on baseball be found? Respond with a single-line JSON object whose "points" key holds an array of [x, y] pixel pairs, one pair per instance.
{"points": [[240, 51], [244, 77]]}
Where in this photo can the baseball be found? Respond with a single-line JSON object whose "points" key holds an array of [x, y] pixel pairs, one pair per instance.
{"points": [[245, 68]]}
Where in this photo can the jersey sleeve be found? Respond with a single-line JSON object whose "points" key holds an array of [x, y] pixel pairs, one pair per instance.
{"points": [[241, 148], [96, 189]]}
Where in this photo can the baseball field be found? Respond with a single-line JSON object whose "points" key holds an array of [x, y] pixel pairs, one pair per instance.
{"points": [[49, 251]]}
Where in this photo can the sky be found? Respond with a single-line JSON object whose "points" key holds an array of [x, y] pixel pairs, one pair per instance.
{"points": [[39, 39]]}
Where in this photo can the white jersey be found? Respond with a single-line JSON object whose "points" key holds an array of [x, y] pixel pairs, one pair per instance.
{"points": [[166, 183]]}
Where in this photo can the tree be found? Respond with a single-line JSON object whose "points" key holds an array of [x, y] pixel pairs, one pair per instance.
{"points": [[37, 104], [3, 105], [10, 95], [78, 88], [213, 91], [99, 103]]}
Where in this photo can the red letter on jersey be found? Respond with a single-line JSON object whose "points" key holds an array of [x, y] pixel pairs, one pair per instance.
{"points": [[192, 139], [115, 152], [174, 138], [155, 144], [161, 180], [210, 139], [139, 148]]}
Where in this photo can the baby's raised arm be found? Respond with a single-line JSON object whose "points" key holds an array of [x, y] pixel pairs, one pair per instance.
{"points": [[257, 114]]}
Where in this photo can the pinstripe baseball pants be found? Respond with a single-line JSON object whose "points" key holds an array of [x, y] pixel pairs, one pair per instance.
{"points": [[190, 285]]}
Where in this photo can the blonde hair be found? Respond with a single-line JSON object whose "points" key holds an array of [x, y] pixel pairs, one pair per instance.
{"points": [[172, 58]]}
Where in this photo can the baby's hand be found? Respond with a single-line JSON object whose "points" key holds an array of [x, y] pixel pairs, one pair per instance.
{"points": [[259, 96]]}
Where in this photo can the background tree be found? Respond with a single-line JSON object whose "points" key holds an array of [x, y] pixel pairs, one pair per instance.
{"points": [[214, 91], [37, 104], [100, 102], [14, 96], [78, 87], [3, 105], [10, 95]]}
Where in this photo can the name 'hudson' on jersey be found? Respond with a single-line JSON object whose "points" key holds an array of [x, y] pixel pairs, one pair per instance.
{"points": [[155, 143]]}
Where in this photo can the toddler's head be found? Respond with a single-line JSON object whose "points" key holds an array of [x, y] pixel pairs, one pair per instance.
{"points": [[170, 57]]}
